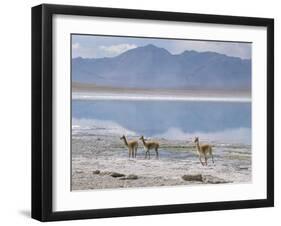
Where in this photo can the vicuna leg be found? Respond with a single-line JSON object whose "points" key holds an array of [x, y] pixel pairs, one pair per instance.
{"points": [[206, 160], [201, 160], [211, 152], [133, 153], [136, 152], [130, 152], [157, 154]]}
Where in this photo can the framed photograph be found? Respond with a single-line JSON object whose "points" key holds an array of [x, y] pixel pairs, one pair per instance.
{"points": [[145, 112]]}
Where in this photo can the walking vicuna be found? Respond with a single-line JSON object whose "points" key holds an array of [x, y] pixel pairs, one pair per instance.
{"points": [[148, 145], [131, 145], [203, 149]]}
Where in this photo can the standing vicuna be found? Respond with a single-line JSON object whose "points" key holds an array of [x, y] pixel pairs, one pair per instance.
{"points": [[131, 145], [148, 145], [203, 149]]}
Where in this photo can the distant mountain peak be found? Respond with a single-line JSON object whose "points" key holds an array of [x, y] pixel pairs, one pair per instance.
{"points": [[151, 47], [147, 50], [150, 66], [189, 52], [208, 54]]}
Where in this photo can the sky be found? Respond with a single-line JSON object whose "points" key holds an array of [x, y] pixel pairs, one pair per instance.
{"points": [[91, 46]]}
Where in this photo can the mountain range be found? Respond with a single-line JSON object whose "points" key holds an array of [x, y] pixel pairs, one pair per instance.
{"points": [[153, 67]]}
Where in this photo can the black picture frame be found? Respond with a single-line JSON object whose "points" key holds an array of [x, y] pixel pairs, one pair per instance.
{"points": [[42, 111]]}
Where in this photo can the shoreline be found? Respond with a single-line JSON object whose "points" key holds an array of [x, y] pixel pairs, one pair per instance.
{"points": [[93, 92], [130, 97], [96, 159]]}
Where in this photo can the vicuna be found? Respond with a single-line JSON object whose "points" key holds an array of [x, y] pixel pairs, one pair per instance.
{"points": [[131, 145], [148, 145], [204, 150]]}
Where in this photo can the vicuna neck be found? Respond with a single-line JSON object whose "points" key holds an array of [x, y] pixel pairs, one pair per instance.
{"points": [[125, 141], [143, 141], [197, 145]]}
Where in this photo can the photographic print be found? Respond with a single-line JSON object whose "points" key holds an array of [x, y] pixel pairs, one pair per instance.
{"points": [[139, 112], [152, 112]]}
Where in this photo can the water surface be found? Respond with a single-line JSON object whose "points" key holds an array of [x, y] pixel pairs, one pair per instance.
{"points": [[224, 121]]}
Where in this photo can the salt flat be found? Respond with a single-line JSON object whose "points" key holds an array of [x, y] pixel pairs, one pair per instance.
{"points": [[96, 157]]}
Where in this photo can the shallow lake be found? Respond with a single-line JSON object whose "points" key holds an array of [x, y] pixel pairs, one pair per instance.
{"points": [[223, 121]]}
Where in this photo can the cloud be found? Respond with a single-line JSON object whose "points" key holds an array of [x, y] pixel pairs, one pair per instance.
{"points": [[105, 46], [75, 45], [92, 51], [115, 50]]}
